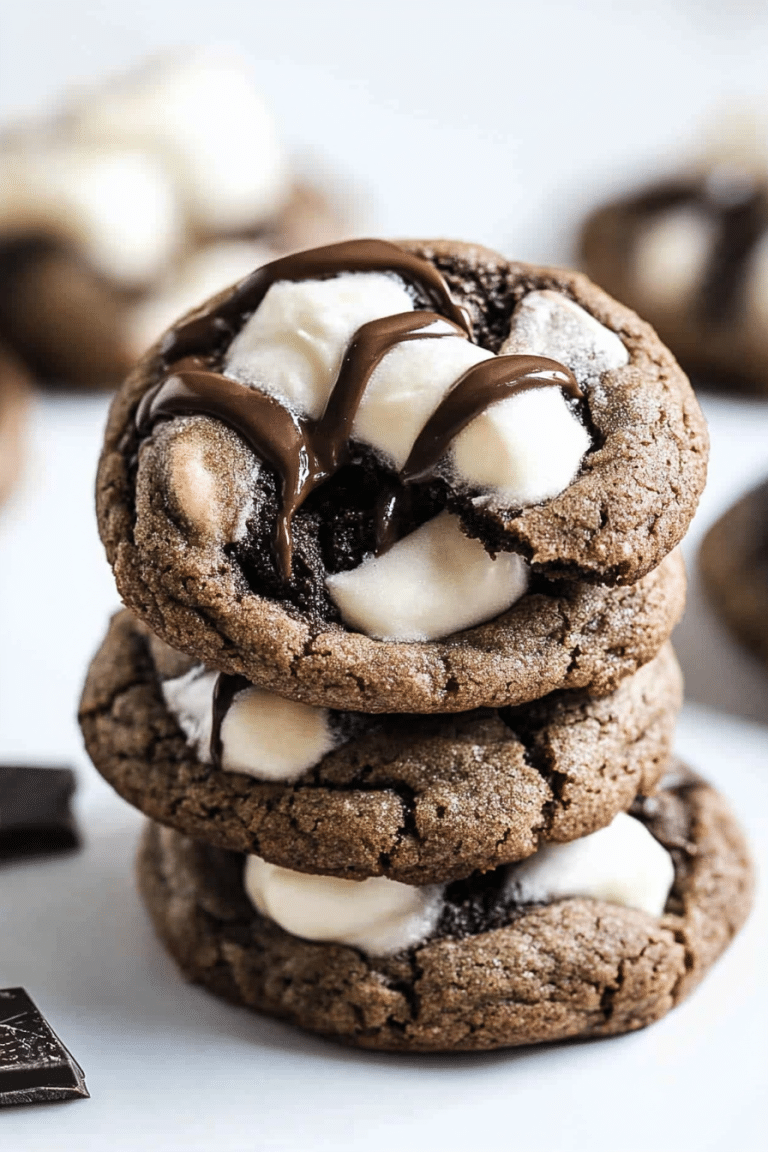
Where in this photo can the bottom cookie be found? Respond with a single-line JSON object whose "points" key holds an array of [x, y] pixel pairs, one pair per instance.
{"points": [[494, 972], [734, 566]]}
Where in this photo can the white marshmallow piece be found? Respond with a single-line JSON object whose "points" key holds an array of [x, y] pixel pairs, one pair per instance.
{"points": [[117, 206], [377, 915], [265, 736], [200, 276], [407, 386], [201, 115], [546, 323], [293, 345], [671, 255], [262, 735], [527, 448], [189, 699], [621, 864], [430, 584]]}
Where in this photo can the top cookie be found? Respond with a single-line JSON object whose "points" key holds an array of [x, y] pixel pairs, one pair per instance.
{"points": [[392, 440]]}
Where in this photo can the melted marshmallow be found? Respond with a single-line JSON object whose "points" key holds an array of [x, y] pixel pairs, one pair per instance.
{"points": [[546, 323], [293, 345], [430, 584], [526, 448], [262, 734], [377, 915], [671, 255], [622, 864], [118, 207], [201, 116], [406, 387]]}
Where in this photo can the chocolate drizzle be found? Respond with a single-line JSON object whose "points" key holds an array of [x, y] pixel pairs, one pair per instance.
{"points": [[482, 385], [224, 692], [204, 334], [306, 452], [739, 208]]}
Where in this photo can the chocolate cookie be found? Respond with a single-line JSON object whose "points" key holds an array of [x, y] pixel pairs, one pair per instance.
{"points": [[14, 391], [734, 565], [145, 195], [247, 573], [561, 636], [494, 972], [418, 799], [691, 255]]}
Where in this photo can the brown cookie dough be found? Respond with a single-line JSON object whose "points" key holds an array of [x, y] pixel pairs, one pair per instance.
{"points": [[734, 565], [418, 799], [184, 513], [561, 636], [575, 968], [14, 392], [710, 329]]}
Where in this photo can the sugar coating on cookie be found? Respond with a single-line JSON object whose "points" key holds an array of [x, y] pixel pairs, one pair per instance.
{"points": [[432, 583], [621, 863], [209, 479], [548, 323], [262, 734], [377, 915]]}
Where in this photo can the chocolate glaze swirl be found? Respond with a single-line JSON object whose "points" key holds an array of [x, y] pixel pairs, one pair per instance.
{"points": [[225, 689], [306, 452]]}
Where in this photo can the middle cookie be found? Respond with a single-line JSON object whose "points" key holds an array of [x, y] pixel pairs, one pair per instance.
{"points": [[420, 799]]}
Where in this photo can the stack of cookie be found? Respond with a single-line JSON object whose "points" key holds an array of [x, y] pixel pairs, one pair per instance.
{"points": [[396, 526]]}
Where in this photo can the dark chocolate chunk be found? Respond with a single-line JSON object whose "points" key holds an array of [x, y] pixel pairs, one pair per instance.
{"points": [[35, 813], [35, 1067]]}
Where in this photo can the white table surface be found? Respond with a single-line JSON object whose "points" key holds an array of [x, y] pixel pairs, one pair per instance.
{"points": [[494, 122]]}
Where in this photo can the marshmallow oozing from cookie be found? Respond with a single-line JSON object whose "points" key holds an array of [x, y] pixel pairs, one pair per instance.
{"points": [[377, 915], [621, 864], [431, 583], [201, 116], [262, 735], [293, 345]]}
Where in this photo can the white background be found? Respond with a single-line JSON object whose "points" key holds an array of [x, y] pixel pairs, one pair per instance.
{"points": [[496, 122]]}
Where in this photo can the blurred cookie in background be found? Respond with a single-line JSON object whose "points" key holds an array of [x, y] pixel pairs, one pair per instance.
{"points": [[690, 254], [734, 566], [166, 184], [14, 391]]}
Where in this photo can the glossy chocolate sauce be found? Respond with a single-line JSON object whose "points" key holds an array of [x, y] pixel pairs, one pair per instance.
{"points": [[739, 207], [306, 452], [224, 692]]}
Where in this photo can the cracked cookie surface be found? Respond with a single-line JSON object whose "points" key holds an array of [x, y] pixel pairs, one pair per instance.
{"points": [[417, 799], [575, 968], [207, 592]]}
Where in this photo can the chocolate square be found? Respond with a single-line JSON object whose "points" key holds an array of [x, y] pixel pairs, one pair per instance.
{"points": [[35, 813], [35, 1067]]}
